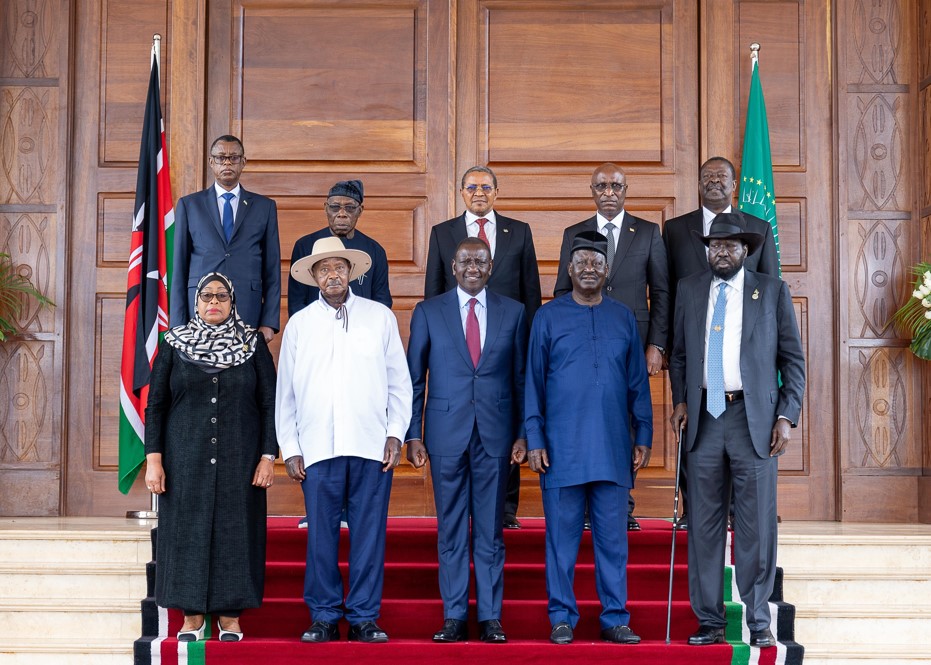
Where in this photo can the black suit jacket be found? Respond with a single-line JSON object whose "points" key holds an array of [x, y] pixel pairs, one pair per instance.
{"points": [[639, 265], [770, 349], [515, 273], [251, 259], [687, 256]]}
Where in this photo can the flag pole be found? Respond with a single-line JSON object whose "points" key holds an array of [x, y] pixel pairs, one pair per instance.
{"points": [[152, 513]]}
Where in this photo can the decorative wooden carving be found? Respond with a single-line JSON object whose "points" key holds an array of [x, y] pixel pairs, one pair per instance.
{"points": [[878, 153], [25, 238], [880, 408], [877, 35], [27, 132], [26, 39], [24, 403], [879, 278]]}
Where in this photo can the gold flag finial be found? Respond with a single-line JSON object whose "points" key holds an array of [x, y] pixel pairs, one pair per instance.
{"points": [[754, 53]]}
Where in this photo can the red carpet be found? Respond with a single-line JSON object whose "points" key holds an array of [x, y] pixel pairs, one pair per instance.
{"points": [[412, 610]]}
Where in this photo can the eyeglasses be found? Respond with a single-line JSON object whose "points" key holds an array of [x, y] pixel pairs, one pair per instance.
{"points": [[486, 189], [350, 208], [222, 296], [602, 187], [232, 159]]}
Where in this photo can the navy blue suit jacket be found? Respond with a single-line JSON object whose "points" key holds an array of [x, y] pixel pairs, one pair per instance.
{"points": [[458, 394], [251, 259]]}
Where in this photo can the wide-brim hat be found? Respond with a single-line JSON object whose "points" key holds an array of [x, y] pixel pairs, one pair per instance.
{"points": [[325, 248], [730, 226]]}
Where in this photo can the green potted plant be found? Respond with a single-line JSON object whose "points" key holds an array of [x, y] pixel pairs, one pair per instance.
{"points": [[915, 315], [13, 286]]}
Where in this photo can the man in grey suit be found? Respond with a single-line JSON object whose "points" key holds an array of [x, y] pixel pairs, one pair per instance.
{"points": [[227, 229], [736, 336], [636, 270]]}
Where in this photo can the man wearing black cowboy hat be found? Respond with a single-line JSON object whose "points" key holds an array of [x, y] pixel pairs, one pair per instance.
{"points": [[736, 336]]}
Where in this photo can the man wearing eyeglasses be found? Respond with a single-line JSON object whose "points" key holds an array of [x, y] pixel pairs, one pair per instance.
{"points": [[343, 208], [227, 229], [515, 276], [637, 269]]}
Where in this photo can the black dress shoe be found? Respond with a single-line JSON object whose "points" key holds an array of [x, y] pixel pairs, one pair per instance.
{"points": [[632, 523], [492, 631], [683, 523], [367, 631], [620, 635], [707, 635], [453, 630], [561, 634], [762, 638], [321, 631], [510, 522]]}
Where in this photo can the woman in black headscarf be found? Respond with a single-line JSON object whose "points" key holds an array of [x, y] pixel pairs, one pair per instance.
{"points": [[210, 456]]}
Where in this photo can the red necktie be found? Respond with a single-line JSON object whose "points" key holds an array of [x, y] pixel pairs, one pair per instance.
{"points": [[481, 230], [473, 335]]}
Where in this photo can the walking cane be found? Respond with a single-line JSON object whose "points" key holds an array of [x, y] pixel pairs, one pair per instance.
{"points": [[675, 527]]}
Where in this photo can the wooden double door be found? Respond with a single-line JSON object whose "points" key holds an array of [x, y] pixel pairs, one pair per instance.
{"points": [[407, 94]]}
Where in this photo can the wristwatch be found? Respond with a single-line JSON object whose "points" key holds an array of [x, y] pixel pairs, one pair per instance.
{"points": [[270, 458]]}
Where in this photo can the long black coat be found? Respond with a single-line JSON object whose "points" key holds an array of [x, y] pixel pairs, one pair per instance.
{"points": [[211, 430]]}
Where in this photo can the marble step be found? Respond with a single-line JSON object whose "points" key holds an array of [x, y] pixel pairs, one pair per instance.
{"points": [[74, 618], [43, 579], [59, 651]]}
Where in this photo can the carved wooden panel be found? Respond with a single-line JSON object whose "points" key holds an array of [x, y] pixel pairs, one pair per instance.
{"points": [[882, 436], [26, 420], [924, 107], [114, 223], [779, 29], [27, 40], [879, 276], [877, 174], [875, 38], [126, 28], [29, 134], [30, 241]]}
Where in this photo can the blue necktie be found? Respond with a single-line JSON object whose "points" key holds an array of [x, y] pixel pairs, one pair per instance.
{"points": [[715, 396], [228, 215]]}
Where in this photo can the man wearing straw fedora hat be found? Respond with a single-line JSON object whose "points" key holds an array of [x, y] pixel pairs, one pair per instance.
{"points": [[738, 373], [343, 407]]}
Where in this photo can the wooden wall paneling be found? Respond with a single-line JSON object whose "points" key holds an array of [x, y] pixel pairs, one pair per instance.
{"points": [[795, 66], [543, 112], [107, 112], [34, 88], [924, 183], [881, 406], [340, 92]]}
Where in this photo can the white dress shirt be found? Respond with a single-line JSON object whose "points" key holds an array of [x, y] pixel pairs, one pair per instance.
{"points": [[221, 202], [491, 227], [341, 392], [618, 221], [481, 311], [733, 327]]}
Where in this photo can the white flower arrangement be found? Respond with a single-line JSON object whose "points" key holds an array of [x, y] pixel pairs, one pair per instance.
{"points": [[915, 315]]}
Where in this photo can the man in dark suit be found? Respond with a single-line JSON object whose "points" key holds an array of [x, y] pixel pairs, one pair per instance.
{"points": [[687, 255], [516, 274], [636, 268], [736, 336], [472, 342], [227, 229]]}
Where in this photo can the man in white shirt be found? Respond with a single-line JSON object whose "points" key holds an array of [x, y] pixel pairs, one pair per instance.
{"points": [[343, 406], [738, 374]]}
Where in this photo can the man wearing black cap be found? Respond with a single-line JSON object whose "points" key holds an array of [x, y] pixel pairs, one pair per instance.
{"points": [[343, 208], [589, 425], [736, 338]]}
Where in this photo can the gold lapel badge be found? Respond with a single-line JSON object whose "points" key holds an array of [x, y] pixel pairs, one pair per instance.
{"points": [[756, 294]]}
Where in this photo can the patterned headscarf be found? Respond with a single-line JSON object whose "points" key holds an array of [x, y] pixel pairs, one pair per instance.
{"points": [[219, 346]]}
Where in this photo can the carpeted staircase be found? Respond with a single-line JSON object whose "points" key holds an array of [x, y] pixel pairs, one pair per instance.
{"points": [[412, 610]]}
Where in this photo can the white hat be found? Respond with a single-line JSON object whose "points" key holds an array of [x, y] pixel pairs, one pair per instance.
{"points": [[359, 261]]}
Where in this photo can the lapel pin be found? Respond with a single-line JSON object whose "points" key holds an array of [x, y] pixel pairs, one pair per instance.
{"points": [[717, 328], [756, 294], [505, 230], [631, 229]]}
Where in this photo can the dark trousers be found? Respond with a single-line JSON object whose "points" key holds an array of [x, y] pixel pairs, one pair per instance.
{"points": [[471, 485], [564, 509], [512, 495], [367, 488], [723, 454]]}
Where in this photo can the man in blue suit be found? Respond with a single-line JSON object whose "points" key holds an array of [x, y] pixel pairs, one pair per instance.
{"points": [[227, 229], [587, 395], [472, 342]]}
